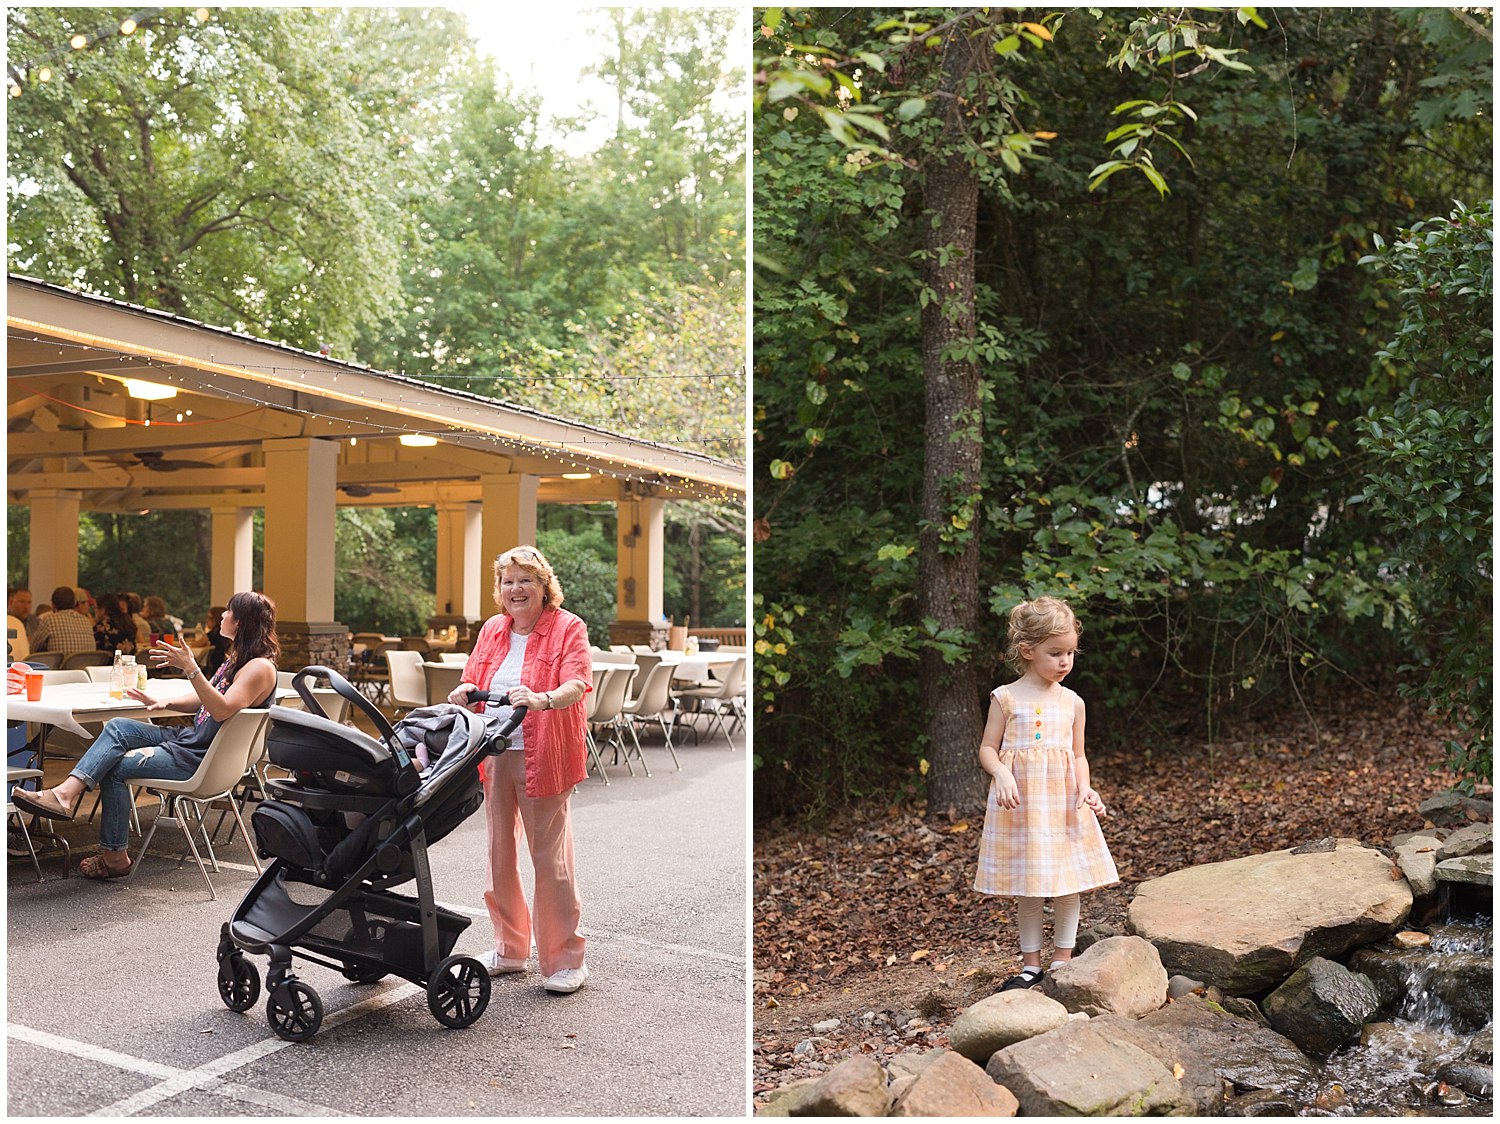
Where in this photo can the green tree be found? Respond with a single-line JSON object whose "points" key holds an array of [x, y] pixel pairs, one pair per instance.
{"points": [[1432, 473], [1169, 381]]}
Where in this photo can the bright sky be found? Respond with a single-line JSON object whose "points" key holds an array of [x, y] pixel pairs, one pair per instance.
{"points": [[546, 52]]}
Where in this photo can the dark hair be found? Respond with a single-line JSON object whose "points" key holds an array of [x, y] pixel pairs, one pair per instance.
{"points": [[117, 613], [62, 597], [255, 614]]}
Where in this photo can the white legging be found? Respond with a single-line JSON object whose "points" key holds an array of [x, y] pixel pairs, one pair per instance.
{"points": [[1065, 912]]}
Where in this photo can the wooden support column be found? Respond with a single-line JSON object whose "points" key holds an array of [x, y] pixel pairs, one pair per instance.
{"points": [[301, 482], [233, 538], [53, 560], [640, 535], [509, 519], [460, 579]]}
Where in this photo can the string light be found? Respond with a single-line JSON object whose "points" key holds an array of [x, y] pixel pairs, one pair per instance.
{"points": [[661, 481], [79, 42], [127, 27]]}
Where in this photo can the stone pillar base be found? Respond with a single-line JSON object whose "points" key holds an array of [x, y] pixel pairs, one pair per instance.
{"points": [[638, 632], [313, 642]]}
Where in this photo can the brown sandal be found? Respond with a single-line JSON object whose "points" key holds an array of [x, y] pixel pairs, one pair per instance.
{"points": [[96, 868], [45, 804]]}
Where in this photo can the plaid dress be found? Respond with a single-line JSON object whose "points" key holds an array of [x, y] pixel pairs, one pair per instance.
{"points": [[1047, 847]]}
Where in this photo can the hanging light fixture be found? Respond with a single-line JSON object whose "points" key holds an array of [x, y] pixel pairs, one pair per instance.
{"points": [[149, 391], [418, 440]]}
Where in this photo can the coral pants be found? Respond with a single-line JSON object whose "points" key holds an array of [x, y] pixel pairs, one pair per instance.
{"points": [[548, 826]]}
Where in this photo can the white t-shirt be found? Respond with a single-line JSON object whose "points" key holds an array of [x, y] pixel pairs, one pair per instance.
{"points": [[506, 676]]}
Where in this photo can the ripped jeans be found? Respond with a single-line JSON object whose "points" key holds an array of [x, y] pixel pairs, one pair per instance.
{"points": [[125, 749]]}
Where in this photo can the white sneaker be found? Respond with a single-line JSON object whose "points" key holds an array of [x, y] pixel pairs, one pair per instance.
{"points": [[497, 965], [567, 981]]}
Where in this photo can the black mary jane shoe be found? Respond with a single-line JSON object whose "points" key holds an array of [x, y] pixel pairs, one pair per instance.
{"points": [[1023, 980]]}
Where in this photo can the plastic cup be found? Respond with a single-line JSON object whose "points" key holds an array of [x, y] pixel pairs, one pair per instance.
{"points": [[33, 686]]}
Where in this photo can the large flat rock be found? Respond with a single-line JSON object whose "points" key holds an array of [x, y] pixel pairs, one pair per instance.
{"points": [[1246, 924], [1479, 869]]}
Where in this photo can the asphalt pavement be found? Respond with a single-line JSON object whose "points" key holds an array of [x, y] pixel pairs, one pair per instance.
{"points": [[113, 1008]]}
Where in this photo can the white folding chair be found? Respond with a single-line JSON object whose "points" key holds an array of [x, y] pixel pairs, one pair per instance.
{"points": [[724, 694], [408, 683], [654, 698], [236, 744], [608, 714]]}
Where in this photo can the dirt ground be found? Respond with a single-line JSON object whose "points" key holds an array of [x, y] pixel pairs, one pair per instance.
{"points": [[871, 918]]}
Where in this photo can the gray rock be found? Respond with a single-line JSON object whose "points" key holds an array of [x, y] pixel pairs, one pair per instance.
{"points": [[1077, 1070], [1476, 838], [1247, 1054], [1417, 856], [854, 1087], [1482, 1047], [910, 1065], [826, 1026], [954, 1086], [1003, 1019], [1194, 1071], [1116, 976], [1479, 869], [1093, 935], [1322, 1005], [1262, 1102], [1178, 986], [1453, 808], [780, 1102], [1242, 1008], [1244, 925]]}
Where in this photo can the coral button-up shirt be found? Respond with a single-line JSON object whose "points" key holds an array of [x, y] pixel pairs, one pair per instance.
{"points": [[556, 651]]}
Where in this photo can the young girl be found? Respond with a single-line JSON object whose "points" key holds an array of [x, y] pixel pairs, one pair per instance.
{"points": [[1041, 835]]}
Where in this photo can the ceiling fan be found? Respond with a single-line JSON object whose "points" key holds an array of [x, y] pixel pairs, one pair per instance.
{"points": [[359, 491], [157, 461]]}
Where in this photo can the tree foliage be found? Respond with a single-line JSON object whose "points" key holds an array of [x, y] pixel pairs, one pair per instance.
{"points": [[1432, 464], [1169, 382], [357, 179]]}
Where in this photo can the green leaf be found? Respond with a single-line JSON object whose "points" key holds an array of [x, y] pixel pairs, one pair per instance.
{"points": [[910, 108], [1010, 160]]}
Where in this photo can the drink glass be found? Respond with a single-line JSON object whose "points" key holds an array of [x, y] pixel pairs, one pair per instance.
{"points": [[33, 686]]}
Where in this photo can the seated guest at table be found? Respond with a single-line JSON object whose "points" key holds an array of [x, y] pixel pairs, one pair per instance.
{"points": [[115, 629], [64, 629], [217, 643], [127, 749], [155, 612], [533, 654], [19, 603], [137, 614]]}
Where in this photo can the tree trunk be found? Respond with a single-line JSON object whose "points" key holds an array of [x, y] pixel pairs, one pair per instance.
{"points": [[948, 566]]}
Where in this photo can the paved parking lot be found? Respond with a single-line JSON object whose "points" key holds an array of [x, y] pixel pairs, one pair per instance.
{"points": [[113, 1008]]}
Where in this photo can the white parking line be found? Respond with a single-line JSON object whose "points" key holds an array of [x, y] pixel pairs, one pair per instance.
{"points": [[206, 1077]]}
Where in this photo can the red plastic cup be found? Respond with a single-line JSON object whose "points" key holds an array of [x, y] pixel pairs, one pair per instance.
{"points": [[33, 686]]}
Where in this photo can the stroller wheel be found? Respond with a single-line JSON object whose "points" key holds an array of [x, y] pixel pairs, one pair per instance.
{"points": [[239, 982], [299, 1018], [458, 991]]}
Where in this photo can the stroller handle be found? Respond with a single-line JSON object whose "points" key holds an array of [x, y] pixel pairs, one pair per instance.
{"points": [[516, 713]]}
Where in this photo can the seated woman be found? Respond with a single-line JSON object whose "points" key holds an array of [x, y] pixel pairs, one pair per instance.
{"points": [[127, 749], [155, 612], [114, 629]]}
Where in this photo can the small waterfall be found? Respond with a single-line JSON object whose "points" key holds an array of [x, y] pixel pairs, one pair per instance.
{"points": [[1429, 1056]]}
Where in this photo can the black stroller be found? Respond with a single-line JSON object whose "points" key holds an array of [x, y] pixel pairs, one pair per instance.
{"points": [[356, 818]]}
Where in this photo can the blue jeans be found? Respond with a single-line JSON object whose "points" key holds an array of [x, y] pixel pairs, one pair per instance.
{"points": [[125, 749]]}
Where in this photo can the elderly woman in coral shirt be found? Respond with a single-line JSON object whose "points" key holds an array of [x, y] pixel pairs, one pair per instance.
{"points": [[533, 654]]}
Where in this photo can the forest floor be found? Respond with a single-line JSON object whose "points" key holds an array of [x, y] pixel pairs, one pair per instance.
{"points": [[870, 918]]}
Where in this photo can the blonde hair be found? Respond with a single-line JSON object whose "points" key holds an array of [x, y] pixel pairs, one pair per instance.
{"points": [[1032, 622], [529, 558]]}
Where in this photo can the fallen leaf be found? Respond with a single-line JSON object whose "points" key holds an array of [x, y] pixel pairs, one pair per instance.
{"points": [[1177, 1070], [920, 953], [959, 828]]}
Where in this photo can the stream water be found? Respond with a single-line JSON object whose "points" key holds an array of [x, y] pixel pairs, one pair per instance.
{"points": [[1430, 1053]]}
